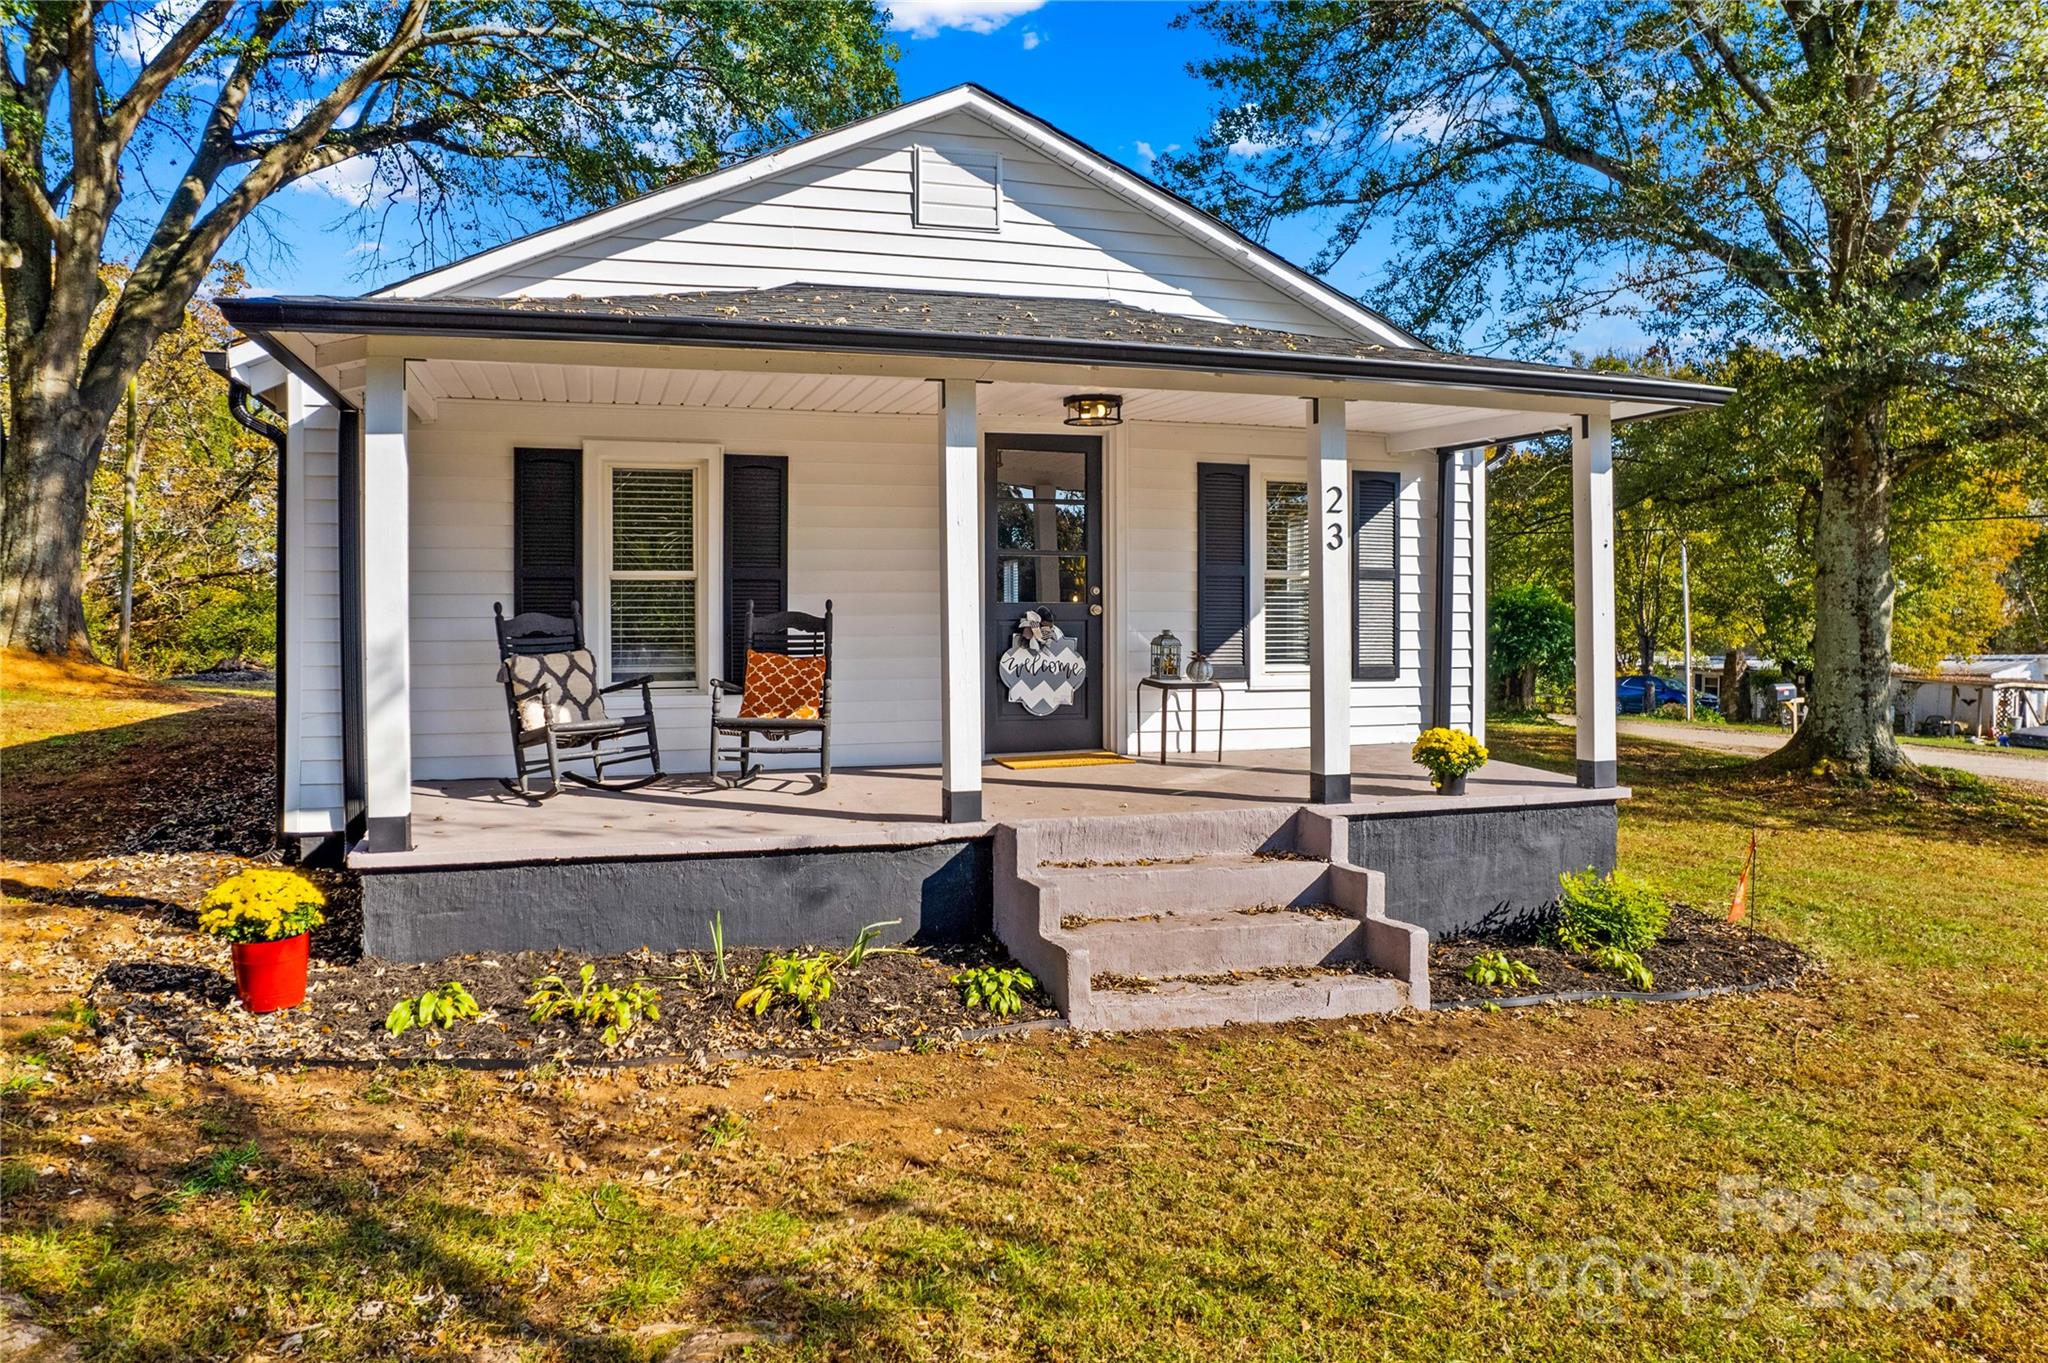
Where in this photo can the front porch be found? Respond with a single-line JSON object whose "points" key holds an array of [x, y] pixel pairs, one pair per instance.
{"points": [[1212, 878], [479, 823]]}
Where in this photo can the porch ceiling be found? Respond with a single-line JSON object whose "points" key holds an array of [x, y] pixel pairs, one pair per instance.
{"points": [[435, 379]]}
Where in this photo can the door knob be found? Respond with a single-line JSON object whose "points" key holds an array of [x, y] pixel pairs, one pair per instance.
{"points": [[1095, 610]]}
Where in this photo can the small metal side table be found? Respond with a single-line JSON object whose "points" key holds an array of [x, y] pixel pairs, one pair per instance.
{"points": [[1168, 688]]}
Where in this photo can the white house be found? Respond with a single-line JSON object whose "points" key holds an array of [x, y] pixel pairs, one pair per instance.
{"points": [[850, 370]]}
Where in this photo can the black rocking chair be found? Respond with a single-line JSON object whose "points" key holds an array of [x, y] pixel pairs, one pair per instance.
{"points": [[557, 707], [768, 716]]}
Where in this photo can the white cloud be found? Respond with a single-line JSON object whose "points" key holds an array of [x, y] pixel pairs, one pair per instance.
{"points": [[365, 248], [1248, 146], [1032, 38], [929, 18], [1149, 158], [354, 182]]}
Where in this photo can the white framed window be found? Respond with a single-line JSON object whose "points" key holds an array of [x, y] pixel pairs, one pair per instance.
{"points": [[649, 562], [1280, 600]]}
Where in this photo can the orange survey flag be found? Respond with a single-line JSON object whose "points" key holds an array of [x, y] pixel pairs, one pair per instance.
{"points": [[1738, 908]]}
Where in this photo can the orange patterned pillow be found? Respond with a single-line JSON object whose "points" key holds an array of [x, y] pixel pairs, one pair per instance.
{"points": [[779, 687]]}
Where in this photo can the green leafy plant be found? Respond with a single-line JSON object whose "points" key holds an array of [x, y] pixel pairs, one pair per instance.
{"points": [[806, 981], [1623, 962], [1613, 910], [618, 1009], [1498, 970], [718, 946], [1001, 989], [858, 952], [1448, 753], [442, 1006]]}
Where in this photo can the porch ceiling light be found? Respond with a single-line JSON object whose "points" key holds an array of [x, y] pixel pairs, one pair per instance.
{"points": [[1095, 409]]}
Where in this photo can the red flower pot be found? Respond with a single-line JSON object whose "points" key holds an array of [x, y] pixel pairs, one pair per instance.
{"points": [[271, 975]]}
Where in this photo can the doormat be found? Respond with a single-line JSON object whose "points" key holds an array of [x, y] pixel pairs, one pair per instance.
{"points": [[1099, 758]]}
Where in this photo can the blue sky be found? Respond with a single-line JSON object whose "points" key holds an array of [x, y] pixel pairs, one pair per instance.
{"points": [[1112, 73]]}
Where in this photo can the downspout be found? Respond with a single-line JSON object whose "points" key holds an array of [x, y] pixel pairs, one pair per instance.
{"points": [[1446, 569], [239, 395], [348, 487]]}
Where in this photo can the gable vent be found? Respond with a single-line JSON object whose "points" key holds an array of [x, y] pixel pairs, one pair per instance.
{"points": [[962, 190]]}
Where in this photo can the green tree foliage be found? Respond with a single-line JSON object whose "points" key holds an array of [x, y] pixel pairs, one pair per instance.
{"points": [[457, 107], [206, 541], [1529, 640], [1858, 185]]}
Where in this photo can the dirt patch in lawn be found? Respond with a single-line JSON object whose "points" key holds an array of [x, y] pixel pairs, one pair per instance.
{"points": [[1697, 951], [186, 1008]]}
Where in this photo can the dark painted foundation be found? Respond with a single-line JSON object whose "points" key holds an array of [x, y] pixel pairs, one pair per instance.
{"points": [[1457, 871], [940, 891], [1448, 869]]}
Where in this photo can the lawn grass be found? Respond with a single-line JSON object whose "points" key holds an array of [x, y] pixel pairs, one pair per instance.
{"points": [[1373, 1189]]}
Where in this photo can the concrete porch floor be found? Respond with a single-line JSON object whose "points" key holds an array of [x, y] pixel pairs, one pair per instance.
{"points": [[478, 823]]}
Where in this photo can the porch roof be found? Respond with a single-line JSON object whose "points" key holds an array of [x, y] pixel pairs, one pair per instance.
{"points": [[977, 326]]}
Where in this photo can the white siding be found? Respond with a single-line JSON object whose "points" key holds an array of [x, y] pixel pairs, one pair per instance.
{"points": [[864, 531], [312, 684], [849, 219], [1153, 531]]}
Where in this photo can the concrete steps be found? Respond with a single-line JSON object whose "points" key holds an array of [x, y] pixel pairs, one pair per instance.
{"points": [[1216, 941], [1162, 921], [1185, 1003]]}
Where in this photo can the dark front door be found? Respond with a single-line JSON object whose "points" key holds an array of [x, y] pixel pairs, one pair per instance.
{"points": [[1044, 677]]}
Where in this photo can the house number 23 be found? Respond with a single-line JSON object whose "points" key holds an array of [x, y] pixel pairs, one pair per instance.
{"points": [[1336, 514]]}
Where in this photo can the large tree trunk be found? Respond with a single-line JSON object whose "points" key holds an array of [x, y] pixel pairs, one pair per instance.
{"points": [[1849, 715], [1734, 663], [53, 447]]}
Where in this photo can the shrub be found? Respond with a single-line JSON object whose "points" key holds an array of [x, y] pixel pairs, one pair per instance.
{"points": [[1000, 989], [1671, 709], [620, 1010], [1608, 911], [1448, 753], [261, 904], [442, 1006], [1498, 970]]}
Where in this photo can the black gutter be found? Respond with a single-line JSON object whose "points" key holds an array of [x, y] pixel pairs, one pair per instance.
{"points": [[238, 408], [348, 456], [438, 318]]}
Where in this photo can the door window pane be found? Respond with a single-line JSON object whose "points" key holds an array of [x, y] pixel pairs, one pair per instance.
{"points": [[1017, 579], [1073, 579]]}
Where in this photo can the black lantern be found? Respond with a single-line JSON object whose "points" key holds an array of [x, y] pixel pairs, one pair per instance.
{"points": [[1094, 409], [1166, 655]]}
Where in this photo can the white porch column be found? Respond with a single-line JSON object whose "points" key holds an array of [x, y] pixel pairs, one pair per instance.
{"points": [[1329, 609], [1593, 594], [1477, 638], [387, 608], [960, 632]]}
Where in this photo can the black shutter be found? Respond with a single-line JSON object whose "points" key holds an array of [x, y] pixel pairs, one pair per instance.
{"points": [[1222, 565], [547, 530], [1376, 576], [756, 547]]}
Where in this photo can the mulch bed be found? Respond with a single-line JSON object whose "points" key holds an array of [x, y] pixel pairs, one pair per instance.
{"points": [[196, 782], [893, 998], [1697, 951]]}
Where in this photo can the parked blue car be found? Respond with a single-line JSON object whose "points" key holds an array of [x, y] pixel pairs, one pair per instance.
{"points": [[1628, 695]]}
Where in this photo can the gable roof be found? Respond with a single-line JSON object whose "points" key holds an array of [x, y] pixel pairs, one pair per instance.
{"points": [[1076, 156]]}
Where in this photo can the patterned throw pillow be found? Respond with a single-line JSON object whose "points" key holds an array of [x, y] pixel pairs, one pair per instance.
{"points": [[571, 681], [780, 687]]}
